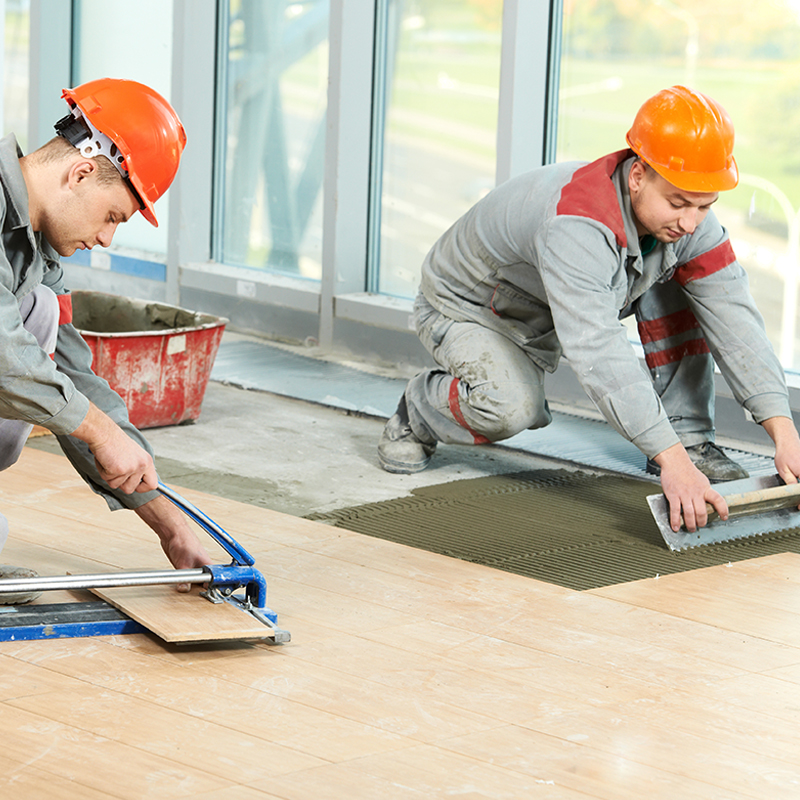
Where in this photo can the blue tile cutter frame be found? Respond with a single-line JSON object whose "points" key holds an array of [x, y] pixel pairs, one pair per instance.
{"points": [[66, 620]]}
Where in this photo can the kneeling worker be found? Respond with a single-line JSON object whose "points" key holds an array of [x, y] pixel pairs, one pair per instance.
{"points": [[116, 152], [549, 262]]}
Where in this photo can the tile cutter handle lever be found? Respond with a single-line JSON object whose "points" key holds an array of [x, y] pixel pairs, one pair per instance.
{"points": [[221, 536]]}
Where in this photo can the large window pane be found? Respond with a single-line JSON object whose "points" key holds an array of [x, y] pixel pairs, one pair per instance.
{"points": [[275, 79], [442, 82], [16, 28], [617, 53], [112, 42]]}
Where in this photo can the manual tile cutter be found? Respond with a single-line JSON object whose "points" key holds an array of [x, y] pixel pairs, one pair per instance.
{"points": [[64, 620]]}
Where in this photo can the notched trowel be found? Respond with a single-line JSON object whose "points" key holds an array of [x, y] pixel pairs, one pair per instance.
{"points": [[756, 506]]}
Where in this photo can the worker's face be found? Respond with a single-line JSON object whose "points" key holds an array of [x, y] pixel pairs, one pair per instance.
{"points": [[661, 209], [86, 212]]}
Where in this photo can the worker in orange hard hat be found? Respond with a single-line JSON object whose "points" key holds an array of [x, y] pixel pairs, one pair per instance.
{"points": [[116, 152], [134, 127], [549, 263], [687, 138]]}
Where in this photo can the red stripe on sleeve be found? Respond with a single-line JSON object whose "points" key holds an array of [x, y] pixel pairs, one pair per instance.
{"points": [[660, 358], [654, 330], [706, 264]]}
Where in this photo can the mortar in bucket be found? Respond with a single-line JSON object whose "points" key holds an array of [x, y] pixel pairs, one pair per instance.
{"points": [[157, 357]]}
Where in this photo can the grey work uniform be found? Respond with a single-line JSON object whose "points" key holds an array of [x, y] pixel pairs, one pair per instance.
{"points": [[546, 265], [35, 387]]}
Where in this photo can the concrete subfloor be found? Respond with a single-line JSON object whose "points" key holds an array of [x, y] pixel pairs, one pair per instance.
{"points": [[300, 457]]}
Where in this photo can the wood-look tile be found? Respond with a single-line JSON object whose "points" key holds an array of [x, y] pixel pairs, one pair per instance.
{"points": [[237, 792], [790, 673], [102, 764], [202, 694], [410, 675], [637, 730], [203, 744], [23, 679], [582, 768], [30, 782], [341, 782], [430, 772], [183, 617], [759, 694]]}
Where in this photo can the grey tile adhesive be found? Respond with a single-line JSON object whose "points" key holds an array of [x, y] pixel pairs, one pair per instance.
{"points": [[573, 529]]}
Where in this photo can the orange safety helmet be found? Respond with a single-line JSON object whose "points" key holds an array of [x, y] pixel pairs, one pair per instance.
{"points": [[687, 138], [134, 127]]}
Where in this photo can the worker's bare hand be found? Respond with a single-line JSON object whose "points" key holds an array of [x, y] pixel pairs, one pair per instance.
{"points": [[687, 491], [787, 447], [178, 540], [185, 552], [124, 465], [121, 462]]}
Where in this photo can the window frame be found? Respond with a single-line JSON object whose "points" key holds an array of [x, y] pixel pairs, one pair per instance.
{"points": [[338, 312]]}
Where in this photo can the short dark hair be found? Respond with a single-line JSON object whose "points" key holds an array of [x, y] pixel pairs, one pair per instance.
{"points": [[59, 149]]}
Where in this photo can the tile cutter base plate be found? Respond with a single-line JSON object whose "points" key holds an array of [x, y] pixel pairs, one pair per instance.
{"points": [[222, 582]]}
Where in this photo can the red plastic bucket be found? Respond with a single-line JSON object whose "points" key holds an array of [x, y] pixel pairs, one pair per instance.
{"points": [[157, 357]]}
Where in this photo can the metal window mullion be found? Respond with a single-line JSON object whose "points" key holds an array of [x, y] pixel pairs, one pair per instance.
{"points": [[528, 86], [347, 156], [377, 142], [193, 81]]}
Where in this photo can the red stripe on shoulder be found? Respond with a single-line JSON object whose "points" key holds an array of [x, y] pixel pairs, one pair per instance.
{"points": [[707, 264], [590, 193]]}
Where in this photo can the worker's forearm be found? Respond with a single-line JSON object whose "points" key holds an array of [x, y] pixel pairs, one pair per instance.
{"points": [[178, 540], [96, 428], [120, 461], [673, 458], [781, 430]]}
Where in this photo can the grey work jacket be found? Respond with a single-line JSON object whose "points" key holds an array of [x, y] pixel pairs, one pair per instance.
{"points": [[551, 260], [51, 392]]}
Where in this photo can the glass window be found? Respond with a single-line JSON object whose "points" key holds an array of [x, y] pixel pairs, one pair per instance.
{"points": [[439, 128], [275, 82], [617, 53], [113, 42], [16, 39]]}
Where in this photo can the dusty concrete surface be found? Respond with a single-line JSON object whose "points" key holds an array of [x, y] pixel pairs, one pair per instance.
{"points": [[298, 457]]}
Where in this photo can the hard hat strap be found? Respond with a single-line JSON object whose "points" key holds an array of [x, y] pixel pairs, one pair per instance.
{"points": [[79, 132]]}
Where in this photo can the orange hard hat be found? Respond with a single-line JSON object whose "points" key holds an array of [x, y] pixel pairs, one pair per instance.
{"points": [[687, 138], [140, 133]]}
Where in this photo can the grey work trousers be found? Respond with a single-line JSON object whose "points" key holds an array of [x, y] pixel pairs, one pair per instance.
{"points": [[40, 314], [486, 388]]}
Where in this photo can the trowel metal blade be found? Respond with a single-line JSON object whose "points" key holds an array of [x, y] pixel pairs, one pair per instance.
{"points": [[734, 528]]}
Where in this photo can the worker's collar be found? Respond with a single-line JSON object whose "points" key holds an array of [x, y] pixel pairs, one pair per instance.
{"points": [[623, 192], [16, 190]]}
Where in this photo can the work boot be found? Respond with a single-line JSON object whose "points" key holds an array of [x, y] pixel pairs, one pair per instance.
{"points": [[15, 573], [400, 450], [711, 461]]}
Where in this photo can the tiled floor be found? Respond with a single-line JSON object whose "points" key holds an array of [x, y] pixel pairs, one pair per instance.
{"points": [[410, 675]]}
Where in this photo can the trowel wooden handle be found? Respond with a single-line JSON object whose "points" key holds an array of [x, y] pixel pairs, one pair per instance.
{"points": [[759, 500]]}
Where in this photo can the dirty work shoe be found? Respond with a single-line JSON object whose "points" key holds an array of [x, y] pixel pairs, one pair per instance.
{"points": [[399, 450], [15, 573], [711, 461]]}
